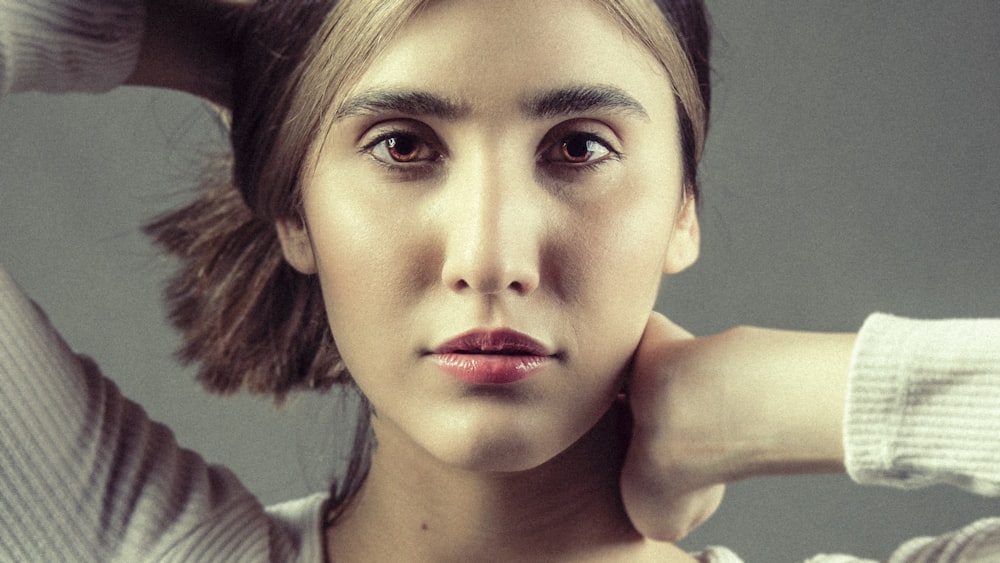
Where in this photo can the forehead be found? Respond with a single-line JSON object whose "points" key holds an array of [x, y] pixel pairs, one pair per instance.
{"points": [[495, 57]]}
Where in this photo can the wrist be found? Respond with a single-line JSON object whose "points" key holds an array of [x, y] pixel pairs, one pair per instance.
{"points": [[788, 410]]}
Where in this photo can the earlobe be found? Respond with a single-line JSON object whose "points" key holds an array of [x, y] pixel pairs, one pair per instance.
{"points": [[296, 244], [685, 240]]}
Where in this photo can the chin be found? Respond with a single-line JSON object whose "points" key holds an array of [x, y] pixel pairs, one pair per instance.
{"points": [[498, 461], [485, 445], [492, 453]]}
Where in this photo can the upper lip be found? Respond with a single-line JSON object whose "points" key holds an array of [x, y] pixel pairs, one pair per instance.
{"points": [[496, 341]]}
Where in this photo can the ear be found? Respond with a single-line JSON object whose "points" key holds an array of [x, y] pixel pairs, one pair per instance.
{"points": [[685, 239], [296, 244]]}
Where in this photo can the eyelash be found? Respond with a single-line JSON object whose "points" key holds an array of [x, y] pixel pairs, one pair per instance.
{"points": [[400, 166], [560, 140], [556, 141]]}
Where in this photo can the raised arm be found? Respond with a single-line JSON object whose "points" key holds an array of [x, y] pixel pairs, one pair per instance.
{"points": [[904, 403], [85, 475], [93, 46], [713, 410], [62, 45]]}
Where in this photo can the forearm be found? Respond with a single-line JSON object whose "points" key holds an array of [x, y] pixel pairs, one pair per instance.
{"points": [[752, 401], [905, 402], [190, 45], [744, 402], [712, 410], [787, 412]]}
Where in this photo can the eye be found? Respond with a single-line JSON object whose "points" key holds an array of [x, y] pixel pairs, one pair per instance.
{"points": [[578, 149], [399, 147]]}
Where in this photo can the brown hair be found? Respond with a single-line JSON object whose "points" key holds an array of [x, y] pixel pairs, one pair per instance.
{"points": [[248, 318]]}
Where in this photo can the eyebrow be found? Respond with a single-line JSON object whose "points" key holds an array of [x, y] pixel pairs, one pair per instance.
{"points": [[402, 101], [582, 99], [559, 102]]}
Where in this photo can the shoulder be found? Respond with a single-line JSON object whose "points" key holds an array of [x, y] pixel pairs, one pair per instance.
{"points": [[716, 554], [301, 521]]}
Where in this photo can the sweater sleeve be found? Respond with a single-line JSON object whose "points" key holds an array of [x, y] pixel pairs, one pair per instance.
{"points": [[924, 404], [68, 45], [924, 408], [86, 476]]}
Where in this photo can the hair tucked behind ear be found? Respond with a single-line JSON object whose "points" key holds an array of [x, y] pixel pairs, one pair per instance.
{"points": [[248, 318]]}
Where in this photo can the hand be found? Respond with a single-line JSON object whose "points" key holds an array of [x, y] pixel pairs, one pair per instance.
{"points": [[713, 410], [190, 46], [665, 494]]}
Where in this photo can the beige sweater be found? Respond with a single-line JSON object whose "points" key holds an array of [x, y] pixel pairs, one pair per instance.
{"points": [[86, 476]]}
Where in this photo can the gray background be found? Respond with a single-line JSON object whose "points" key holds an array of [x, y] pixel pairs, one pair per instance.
{"points": [[852, 166]]}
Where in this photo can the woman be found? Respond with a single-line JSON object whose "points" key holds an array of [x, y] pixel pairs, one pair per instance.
{"points": [[537, 199]]}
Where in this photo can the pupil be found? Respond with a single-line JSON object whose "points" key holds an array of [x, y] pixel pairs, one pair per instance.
{"points": [[577, 149], [401, 148]]}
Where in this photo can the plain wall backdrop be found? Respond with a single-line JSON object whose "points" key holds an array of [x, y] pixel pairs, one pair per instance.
{"points": [[852, 166]]}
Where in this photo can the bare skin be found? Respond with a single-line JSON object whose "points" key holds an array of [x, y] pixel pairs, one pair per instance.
{"points": [[781, 413], [188, 47], [707, 411], [539, 515], [744, 403], [484, 223]]}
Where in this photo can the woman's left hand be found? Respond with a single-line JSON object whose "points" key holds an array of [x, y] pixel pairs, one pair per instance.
{"points": [[713, 410], [665, 493]]}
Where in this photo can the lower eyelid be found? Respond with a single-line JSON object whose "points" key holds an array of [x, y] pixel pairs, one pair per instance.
{"points": [[613, 153]]}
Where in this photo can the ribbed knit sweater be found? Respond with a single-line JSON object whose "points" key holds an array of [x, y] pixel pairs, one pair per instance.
{"points": [[86, 476]]}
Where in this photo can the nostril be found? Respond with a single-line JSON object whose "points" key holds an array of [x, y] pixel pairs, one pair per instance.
{"points": [[489, 275]]}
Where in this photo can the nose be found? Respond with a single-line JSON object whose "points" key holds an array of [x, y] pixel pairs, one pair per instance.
{"points": [[493, 232]]}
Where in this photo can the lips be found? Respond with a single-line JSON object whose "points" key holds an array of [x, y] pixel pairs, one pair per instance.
{"points": [[494, 357]]}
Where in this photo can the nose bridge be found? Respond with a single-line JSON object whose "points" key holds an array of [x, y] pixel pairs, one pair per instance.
{"points": [[492, 240]]}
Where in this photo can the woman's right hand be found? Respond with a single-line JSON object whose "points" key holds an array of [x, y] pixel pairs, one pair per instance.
{"points": [[713, 410], [190, 45]]}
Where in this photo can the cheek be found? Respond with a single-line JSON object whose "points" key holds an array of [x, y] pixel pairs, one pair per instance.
{"points": [[379, 262], [362, 271], [622, 246], [618, 261]]}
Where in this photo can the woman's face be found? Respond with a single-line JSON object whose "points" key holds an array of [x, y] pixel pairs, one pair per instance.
{"points": [[489, 216]]}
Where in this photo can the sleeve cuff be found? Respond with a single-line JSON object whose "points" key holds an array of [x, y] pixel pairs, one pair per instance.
{"points": [[924, 404], [68, 45]]}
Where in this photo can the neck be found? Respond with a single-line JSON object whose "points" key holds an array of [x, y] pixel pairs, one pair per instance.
{"points": [[414, 508]]}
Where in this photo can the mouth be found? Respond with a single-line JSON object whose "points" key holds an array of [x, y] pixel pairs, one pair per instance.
{"points": [[502, 342], [492, 357]]}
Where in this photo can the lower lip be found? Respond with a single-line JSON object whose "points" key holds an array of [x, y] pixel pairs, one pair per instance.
{"points": [[490, 369]]}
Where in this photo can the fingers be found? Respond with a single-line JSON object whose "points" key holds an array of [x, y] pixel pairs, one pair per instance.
{"points": [[659, 326]]}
